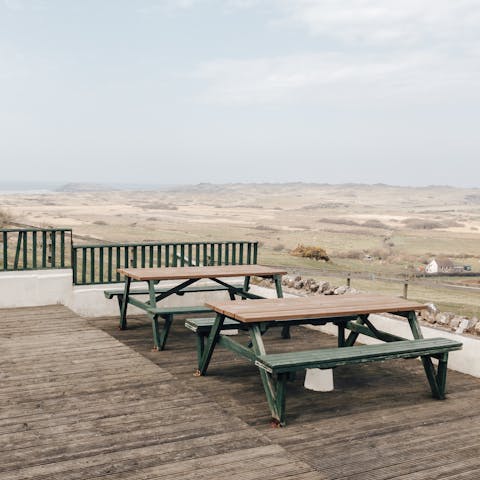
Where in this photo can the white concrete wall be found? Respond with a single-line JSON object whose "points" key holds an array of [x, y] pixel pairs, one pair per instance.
{"points": [[34, 288], [89, 300]]}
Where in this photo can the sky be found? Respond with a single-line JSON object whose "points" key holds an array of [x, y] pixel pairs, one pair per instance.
{"points": [[190, 91]]}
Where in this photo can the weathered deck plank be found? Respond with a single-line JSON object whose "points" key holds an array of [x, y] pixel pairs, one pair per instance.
{"points": [[77, 404], [380, 422]]}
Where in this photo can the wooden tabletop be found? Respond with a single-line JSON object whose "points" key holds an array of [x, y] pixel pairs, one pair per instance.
{"points": [[324, 306], [181, 273]]}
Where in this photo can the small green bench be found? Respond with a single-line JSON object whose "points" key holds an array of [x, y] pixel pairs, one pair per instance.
{"points": [[282, 365], [109, 294], [202, 327]]}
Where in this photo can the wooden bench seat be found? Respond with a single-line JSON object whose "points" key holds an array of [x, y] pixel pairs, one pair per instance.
{"points": [[109, 294], [283, 365], [204, 325], [334, 357]]}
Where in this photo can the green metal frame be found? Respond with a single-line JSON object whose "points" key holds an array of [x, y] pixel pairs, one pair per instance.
{"points": [[160, 335], [98, 264], [274, 383], [35, 248]]}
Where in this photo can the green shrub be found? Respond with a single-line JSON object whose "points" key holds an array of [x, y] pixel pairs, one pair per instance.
{"points": [[317, 253]]}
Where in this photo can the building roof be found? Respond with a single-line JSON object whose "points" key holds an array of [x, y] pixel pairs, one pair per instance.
{"points": [[444, 262]]}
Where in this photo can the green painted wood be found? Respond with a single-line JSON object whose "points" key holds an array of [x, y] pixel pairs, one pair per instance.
{"points": [[211, 342], [25, 250], [167, 254], [92, 265], [17, 251], [101, 265], [118, 263], [44, 249], [34, 249], [5, 250], [203, 325], [207, 288], [332, 357], [53, 240], [62, 249], [110, 264], [380, 334], [84, 266], [171, 310]]}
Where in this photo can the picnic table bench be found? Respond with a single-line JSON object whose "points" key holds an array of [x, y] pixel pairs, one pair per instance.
{"points": [[186, 276], [348, 313]]}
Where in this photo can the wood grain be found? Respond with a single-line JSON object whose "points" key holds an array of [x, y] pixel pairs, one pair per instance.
{"points": [[282, 309], [182, 273]]}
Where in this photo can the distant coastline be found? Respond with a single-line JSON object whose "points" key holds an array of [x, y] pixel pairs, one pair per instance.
{"points": [[11, 188]]}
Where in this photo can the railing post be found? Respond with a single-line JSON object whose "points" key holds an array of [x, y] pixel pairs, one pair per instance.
{"points": [[405, 289]]}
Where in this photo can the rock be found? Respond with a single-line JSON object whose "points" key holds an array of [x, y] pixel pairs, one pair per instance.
{"points": [[297, 278], [340, 290], [477, 328], [428, 316], [330, 291], [431, 307], [455, 322], [472, 323], [314, 287], [463, 325], [323, 287], [443, 318], [299, 284]]}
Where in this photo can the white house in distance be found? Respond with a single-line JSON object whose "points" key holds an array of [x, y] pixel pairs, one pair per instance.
{"points": [[440, 265]]}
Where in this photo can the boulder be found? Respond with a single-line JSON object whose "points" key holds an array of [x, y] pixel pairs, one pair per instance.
{"points": [[443, 318], [299, 284], [455, 322], [323, 287], [341, 290], [462, 326]]}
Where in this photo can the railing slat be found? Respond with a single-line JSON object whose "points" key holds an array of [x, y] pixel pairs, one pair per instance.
{"points": [[101, 267]]}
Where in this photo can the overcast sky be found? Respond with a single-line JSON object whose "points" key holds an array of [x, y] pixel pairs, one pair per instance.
{"points": [[188, 91]]}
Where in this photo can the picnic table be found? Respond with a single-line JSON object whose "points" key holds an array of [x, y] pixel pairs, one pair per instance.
{"points": [[220, 277], [350, 313]]}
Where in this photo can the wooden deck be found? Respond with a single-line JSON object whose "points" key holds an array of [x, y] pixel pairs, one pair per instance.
{"points": [[77, 404], [81, 399]]}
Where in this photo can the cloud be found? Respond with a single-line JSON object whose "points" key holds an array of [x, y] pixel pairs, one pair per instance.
{"points": [[374, 48], [375, 22], [167, 6], [314, 77]]}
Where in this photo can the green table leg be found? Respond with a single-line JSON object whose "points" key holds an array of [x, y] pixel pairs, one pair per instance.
{"points": [[437, 381], [123, 310], [275, 388], [278, 286], [210, 347]]}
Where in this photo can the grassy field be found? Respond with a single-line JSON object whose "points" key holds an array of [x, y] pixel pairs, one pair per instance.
{"points": [[367, 230]]}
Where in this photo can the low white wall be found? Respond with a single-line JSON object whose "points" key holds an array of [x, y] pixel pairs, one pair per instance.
{"points": [[35, 288], [89, 300]]}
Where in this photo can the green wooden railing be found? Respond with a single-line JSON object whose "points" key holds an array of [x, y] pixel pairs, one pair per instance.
{"points": [[95, 264], [35, 248]]}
